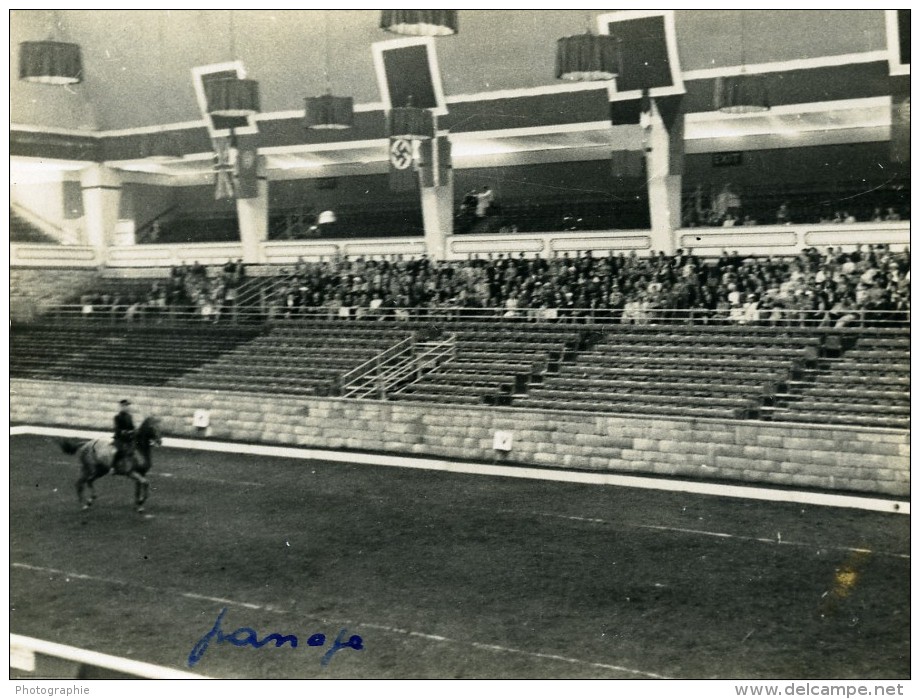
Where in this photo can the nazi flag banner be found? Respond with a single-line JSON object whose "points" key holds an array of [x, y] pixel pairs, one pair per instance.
{"points": [[223, 167], [403, 177]]}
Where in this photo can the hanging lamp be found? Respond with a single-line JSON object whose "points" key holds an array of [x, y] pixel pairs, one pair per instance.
{"points": [[743, 93], [328, 111], [50, 62], [587, 57], [230, 96], [420, 22]]}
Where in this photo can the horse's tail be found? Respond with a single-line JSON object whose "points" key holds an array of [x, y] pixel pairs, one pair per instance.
{"points": [[71, 446]]}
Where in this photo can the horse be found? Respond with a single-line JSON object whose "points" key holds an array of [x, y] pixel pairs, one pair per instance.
{"points": [[96, 458]]}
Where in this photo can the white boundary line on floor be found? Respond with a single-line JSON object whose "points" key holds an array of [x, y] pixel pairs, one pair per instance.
{"points": [[595, 478]]}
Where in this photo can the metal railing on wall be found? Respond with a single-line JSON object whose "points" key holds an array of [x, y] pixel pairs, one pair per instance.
{"points": [[232, 314]]}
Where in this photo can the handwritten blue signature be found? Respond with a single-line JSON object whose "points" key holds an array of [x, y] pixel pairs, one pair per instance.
{"points": [[245, 636]]}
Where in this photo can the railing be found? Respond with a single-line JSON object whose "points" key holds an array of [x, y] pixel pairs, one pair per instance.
{"points": [[785, 318], [370, 377], [437, 353], [142, 232], [404, 364], [49, 228]]}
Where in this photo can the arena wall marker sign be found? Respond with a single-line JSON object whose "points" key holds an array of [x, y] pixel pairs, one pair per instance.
{"points": [[201, 421], [503, 440]]}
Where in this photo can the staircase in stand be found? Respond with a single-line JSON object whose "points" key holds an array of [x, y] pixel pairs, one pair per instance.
{"points": [[400, 366]]}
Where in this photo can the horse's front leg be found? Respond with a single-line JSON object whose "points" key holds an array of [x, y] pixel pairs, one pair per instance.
{"points": [[81, 482], [141, 488]]}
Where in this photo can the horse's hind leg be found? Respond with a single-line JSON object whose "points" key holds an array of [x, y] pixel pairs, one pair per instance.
{"points": [[141, 488], [82, 483]]}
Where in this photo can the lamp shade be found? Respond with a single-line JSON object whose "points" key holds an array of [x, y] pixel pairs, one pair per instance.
{"points": [[50, 62], [587, 57], [329, 112], [412, 123], [232, 97], [420, 22], [741, 94]]}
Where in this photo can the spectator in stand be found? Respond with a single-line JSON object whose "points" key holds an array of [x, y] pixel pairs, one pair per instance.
{"points": [[782, 214], [727, 203], [484, 202], [892, 215]]}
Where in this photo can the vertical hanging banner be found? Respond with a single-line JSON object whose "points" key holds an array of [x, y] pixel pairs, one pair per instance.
{"points": [[899, 148], [445, 164], [434, 162], [223, 167], [672, 114], [402, 165], [247, 167]]}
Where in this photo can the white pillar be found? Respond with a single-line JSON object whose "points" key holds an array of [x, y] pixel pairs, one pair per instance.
{"points": [[664, 189], [101, 196], [438, 216], [252, 215]]}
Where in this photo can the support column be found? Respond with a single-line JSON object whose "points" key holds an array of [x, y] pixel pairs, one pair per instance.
{"points": [[101, 189], [664, 160], [438, 215], [252, 215]]}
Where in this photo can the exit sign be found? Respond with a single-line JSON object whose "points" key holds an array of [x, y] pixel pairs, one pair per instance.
{"points": [[730, 159]]}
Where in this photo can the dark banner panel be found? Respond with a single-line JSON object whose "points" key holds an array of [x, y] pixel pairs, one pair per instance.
{"points": [[904, 36], [643, 53], [136, 146], [73, 199], [625, 112], [521, 112], [48, 145], [408, 76], [247, 167], [845, 82]]}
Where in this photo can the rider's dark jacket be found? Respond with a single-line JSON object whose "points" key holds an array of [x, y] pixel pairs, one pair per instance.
{"points": [[124, 425]]}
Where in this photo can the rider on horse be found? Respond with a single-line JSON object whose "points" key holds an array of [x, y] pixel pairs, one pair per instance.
{"points": [[124, 431]]}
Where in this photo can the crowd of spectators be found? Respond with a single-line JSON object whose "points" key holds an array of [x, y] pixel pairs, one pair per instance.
{"points": [[189, 290], [832, 288], [727, 210], [837, 288]]}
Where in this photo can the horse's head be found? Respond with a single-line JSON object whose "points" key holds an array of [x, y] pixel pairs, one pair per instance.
{"points": [[149, 432]]}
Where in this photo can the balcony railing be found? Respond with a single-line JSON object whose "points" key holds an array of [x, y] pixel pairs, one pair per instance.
{"points": [[855, 318]]}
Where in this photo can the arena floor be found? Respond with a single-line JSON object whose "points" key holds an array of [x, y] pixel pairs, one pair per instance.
{"points": [[447, 575]]}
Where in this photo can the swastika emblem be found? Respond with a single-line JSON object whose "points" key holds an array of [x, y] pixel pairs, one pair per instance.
{"points": [[401, 154]]}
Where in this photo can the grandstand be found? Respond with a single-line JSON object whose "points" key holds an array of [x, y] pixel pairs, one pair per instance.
{"points": [[624, 277]]}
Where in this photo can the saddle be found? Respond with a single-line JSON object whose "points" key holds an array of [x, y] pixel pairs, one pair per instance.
{"points": [[124, 449]]}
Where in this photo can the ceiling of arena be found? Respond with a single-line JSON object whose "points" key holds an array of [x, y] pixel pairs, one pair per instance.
{"points": [[137, 74]]}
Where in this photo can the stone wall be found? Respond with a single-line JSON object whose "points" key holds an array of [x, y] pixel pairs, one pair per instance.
{"points": [[32, 290], [861, 460]]}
